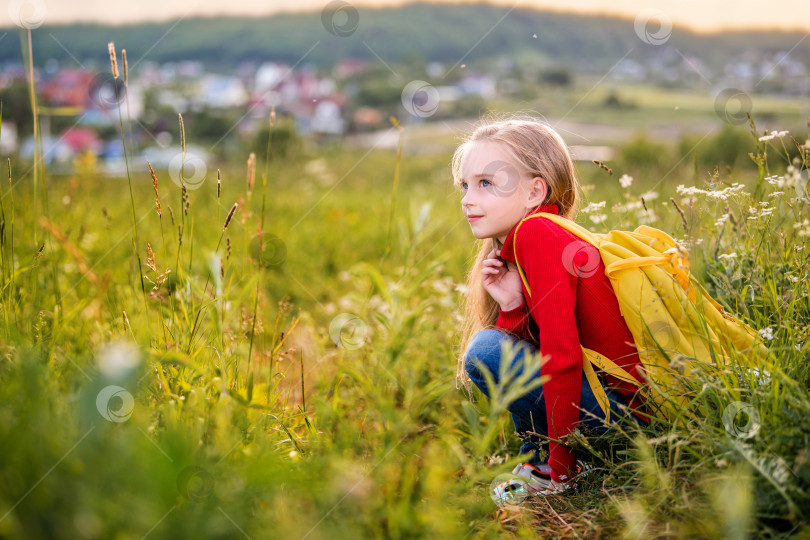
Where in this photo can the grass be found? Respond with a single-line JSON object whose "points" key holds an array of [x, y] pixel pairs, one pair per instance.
{"points": [[293, 374]]}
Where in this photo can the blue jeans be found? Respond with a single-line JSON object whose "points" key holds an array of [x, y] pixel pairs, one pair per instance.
{"points": [[529, 411]]}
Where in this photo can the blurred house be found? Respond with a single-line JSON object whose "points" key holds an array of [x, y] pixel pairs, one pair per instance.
{"points": [[349, 67], [82, 139], [8, 138], [221, 92], [69, 88]]}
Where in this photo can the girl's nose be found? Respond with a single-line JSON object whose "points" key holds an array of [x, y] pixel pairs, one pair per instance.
{"points": [[465, 200]]}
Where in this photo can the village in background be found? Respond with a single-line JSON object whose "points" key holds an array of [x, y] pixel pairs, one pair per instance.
{"points": [[349, 102]]}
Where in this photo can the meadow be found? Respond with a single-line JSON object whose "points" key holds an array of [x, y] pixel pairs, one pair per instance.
{"points": [[270, 351]]}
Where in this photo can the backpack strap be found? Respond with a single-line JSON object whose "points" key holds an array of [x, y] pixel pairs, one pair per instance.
{"points": [[565, 223], [590, 358]]}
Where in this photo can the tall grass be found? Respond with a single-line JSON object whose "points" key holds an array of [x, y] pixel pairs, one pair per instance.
{"points": [[344, 420]]}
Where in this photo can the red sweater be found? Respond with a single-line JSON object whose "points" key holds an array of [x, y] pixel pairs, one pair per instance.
{"points": [[572, 304]]}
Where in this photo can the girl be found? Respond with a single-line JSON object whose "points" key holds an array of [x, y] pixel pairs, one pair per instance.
{"points": [[508, 170]]}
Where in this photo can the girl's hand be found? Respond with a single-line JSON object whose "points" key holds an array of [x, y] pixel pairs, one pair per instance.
{"points": [[502, 281]]}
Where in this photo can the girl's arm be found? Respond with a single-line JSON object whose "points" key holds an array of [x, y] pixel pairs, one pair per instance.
{"points": [[551, 273], [516, 321]]}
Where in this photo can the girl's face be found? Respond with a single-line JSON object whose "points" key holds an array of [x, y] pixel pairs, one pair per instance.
{"points": [[497, 191]]}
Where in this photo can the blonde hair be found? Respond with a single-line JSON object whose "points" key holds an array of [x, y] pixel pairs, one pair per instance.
{"points": [[540, 151]]}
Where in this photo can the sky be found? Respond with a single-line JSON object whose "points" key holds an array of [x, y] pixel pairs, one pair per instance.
{"points": [[697, 15]]}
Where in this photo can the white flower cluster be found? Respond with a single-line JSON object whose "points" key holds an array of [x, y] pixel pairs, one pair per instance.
{"points": [[804, 227], [629, 206], [721, 195], [760, 212], [727, 255], [593, 207], [792, 176], [722, 219], [626, 180], [598, 218], [773, 135], [766, 333], [644, 216]]}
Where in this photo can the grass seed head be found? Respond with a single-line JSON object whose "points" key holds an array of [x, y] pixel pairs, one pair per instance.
{"points": [[182, 133], [154, 185], [126, 69], [113, 61], [251, 171], [230, 215]]}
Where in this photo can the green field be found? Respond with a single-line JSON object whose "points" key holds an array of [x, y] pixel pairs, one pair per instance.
{"points": [[292, 374]]}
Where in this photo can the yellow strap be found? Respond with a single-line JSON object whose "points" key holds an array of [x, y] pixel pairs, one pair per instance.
{"points": [[590, 357], [563, 222], [610, 367], [514, 250], [596, 386]]}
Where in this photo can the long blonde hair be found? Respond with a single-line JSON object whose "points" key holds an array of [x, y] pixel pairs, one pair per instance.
{"points": [[539, 150]]}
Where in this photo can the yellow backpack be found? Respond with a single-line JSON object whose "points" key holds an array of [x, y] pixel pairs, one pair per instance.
{"points": [[674, 322]]}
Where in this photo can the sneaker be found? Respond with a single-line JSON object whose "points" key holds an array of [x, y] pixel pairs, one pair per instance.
{"points": [[529, 479]]}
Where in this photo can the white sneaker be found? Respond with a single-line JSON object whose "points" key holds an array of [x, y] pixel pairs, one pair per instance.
{"points": [[528, 479]]}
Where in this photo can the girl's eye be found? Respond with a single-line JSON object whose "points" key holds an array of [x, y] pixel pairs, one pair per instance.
{"points": [[463, 185]]}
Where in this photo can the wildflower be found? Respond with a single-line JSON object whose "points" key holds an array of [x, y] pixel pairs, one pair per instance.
{"points": [[626, 180], [773, 134], [689, 191], [598, 218], [793, 279], [592, 207], [792, 176], [776, 193], [727, 255], [766, 333], [722, 219]]}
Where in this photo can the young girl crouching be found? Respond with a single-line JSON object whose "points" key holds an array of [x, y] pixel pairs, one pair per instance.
{"points": [[508, 170]]}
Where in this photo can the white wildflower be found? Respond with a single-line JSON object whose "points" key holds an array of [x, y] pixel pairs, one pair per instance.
{"points": [[650, 195], [598, 218], [793, 279], [727, 255], [776, 193], [593, 207], [722, 219], [626, 180], [766, 333], [683, 190], [792, 175], [773, 135]]}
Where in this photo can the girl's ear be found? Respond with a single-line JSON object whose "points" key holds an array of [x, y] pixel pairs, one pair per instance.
{"points": [[539, 191]]}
